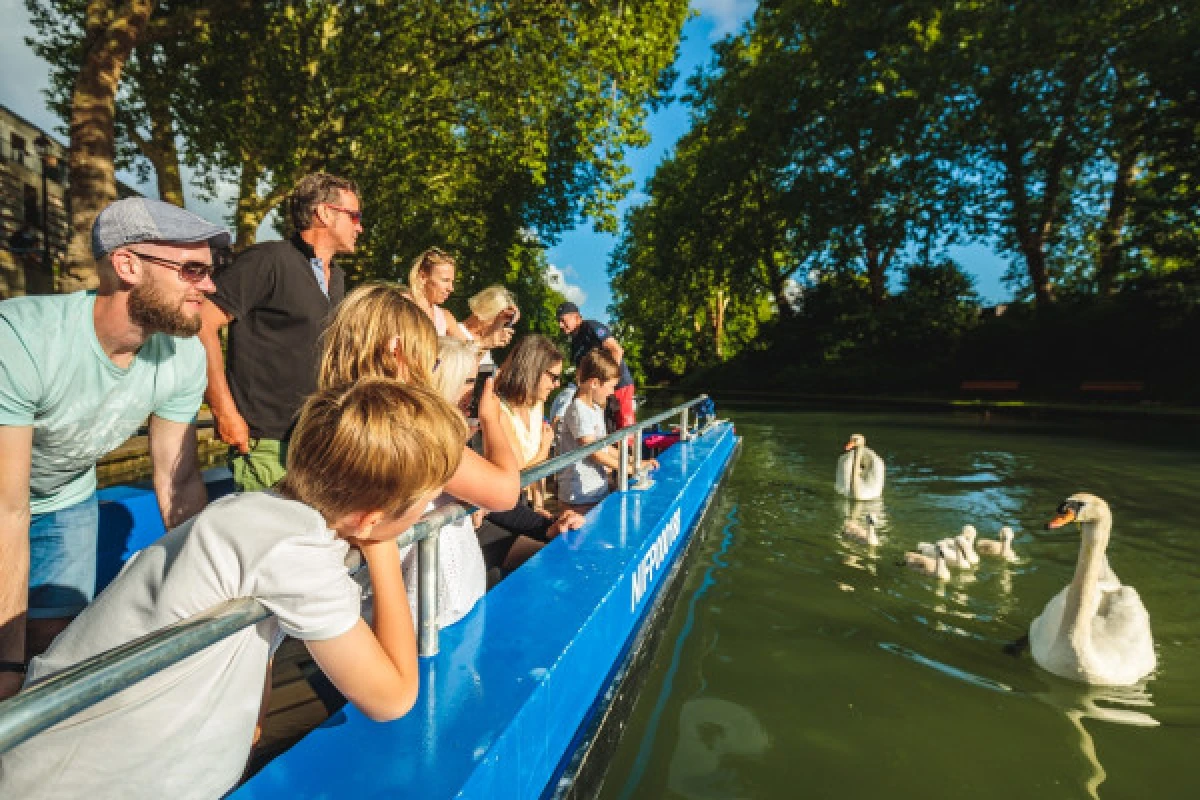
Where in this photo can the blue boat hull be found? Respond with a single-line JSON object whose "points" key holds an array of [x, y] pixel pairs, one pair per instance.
{"points": [[502, 705]]}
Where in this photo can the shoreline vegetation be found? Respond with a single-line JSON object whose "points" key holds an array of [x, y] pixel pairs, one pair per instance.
{"points": [[1131, 350], [802, 234]]}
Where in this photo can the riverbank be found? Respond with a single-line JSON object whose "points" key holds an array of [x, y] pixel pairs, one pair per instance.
{"points": [[775, 399]]}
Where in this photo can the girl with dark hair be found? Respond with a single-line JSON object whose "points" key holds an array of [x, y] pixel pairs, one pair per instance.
{"points": [[531, 372]]}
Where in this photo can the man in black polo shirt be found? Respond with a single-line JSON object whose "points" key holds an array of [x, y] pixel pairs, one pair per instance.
{"points": [[586, 335], [276, 298]]}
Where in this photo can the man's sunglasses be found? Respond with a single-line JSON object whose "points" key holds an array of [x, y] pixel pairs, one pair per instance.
{"points": [[190, 271], [355, 216]]}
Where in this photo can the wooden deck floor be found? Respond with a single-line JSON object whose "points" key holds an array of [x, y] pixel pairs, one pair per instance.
{"points": [[294, 707]]}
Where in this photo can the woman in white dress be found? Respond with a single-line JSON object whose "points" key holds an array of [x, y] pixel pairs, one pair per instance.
{"points": [[462, 574]]}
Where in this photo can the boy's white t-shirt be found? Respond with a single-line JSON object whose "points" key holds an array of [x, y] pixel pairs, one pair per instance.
{"points": [[187, 731], [584, 481]]}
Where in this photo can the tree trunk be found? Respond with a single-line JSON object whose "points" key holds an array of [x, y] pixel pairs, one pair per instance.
{"points": [[165, 156], [252, 208], [716, 306], [1108, 258], [877, 266], [110, 39], [247, 217], [1029, 240]]}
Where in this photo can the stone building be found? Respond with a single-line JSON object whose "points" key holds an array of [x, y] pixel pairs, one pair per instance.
{"points": [[33, 199], [33, 214]]}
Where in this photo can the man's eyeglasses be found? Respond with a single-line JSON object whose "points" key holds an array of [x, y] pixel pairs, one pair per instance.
{"points": [[555, 377], [354, 215], [190, 271]]}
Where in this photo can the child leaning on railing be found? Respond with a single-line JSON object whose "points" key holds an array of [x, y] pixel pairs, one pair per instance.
{"points": [[363, 463]]}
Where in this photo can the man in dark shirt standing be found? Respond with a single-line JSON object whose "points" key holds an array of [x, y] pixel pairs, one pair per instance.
{"points": [[276, 298], [586, 335]]}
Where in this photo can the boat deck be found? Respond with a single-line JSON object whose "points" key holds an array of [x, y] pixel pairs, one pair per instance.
{"points": [[502, 704]]}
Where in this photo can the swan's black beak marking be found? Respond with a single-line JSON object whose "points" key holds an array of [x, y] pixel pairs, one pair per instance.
{"points": [[1065, 516]]}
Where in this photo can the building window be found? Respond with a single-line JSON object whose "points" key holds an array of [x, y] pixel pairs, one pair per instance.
{"points": [[17, 145], [33, 211]]}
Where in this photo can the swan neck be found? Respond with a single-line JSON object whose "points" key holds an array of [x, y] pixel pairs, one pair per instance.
{"points": [[1085, 586], [855, 473]]}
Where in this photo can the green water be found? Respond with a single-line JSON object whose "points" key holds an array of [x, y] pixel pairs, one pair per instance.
{"points": [[798, 665]]}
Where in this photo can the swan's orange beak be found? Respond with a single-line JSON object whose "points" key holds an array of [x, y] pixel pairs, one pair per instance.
{"points": [[1065, 517], [849, 446]]}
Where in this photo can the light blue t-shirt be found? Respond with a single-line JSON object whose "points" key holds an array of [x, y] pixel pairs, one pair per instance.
{"points": [[55, 377]]}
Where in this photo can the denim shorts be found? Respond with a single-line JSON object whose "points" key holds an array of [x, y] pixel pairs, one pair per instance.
{"points": [[62, 560]]}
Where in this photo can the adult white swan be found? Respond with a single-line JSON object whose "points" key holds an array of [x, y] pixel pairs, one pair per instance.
{"points": [[1095, 630], [859, 471]]}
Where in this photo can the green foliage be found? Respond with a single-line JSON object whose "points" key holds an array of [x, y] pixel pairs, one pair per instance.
{"points": [[484, 128], [841, 144]]}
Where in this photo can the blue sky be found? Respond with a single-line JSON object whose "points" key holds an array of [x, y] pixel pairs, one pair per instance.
{"points": [[582, 254]]}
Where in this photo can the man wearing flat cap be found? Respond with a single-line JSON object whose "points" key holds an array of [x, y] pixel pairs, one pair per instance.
{"points": [[79, 374], [585, 335]]}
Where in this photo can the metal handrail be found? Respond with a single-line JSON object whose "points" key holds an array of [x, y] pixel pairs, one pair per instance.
{"points": [[103, 675]]}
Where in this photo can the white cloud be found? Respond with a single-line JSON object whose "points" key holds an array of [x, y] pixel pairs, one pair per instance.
{"points": [[556, 279], [727, 16]]}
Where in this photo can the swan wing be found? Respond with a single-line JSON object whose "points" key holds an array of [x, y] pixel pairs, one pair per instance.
{"points": [[873, 474], [1044, 641], [1122, 643]]}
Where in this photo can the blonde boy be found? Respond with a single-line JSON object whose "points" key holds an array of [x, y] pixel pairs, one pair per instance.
{"points": [[585, 483], [364, 462]]}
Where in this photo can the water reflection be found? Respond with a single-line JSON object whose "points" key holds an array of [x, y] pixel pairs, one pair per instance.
{"points": [[857, 511], [710, 730], [1084, 704], [1111, 704]]}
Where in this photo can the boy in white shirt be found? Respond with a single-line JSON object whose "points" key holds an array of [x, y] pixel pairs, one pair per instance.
{"points": [[363, 463], [585, 483]]}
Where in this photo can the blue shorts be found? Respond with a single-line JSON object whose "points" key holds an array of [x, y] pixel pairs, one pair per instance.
{"points": [[62, 560]]}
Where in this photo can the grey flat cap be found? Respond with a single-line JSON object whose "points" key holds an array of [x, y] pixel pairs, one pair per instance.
{"points": [[140, 219]]}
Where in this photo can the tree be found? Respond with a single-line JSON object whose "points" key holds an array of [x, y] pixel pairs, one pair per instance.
{"points": [[465, 124], [109, 33]]}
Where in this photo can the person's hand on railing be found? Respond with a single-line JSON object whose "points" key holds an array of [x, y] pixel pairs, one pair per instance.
{"points": [[567, 521], [232, 429], [648, 465]]}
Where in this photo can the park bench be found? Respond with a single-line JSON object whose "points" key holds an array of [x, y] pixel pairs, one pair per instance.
{"points": [[989, 386], [1112, 389]]}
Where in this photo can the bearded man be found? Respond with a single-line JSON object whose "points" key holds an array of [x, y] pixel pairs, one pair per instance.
{"points": [[79, 374]]}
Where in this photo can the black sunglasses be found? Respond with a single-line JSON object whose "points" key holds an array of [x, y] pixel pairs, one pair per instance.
{"points": [[190, 271]]}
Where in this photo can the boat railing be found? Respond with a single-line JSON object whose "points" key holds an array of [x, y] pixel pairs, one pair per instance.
{"points": [[94, 679]]}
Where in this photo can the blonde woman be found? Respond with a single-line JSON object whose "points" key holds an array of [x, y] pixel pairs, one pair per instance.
{"points": [[430, 283], [462, 575], [379, 332], [494, 312]]}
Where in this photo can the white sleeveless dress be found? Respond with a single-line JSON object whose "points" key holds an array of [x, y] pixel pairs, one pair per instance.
{"points": [[462, 573]]}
